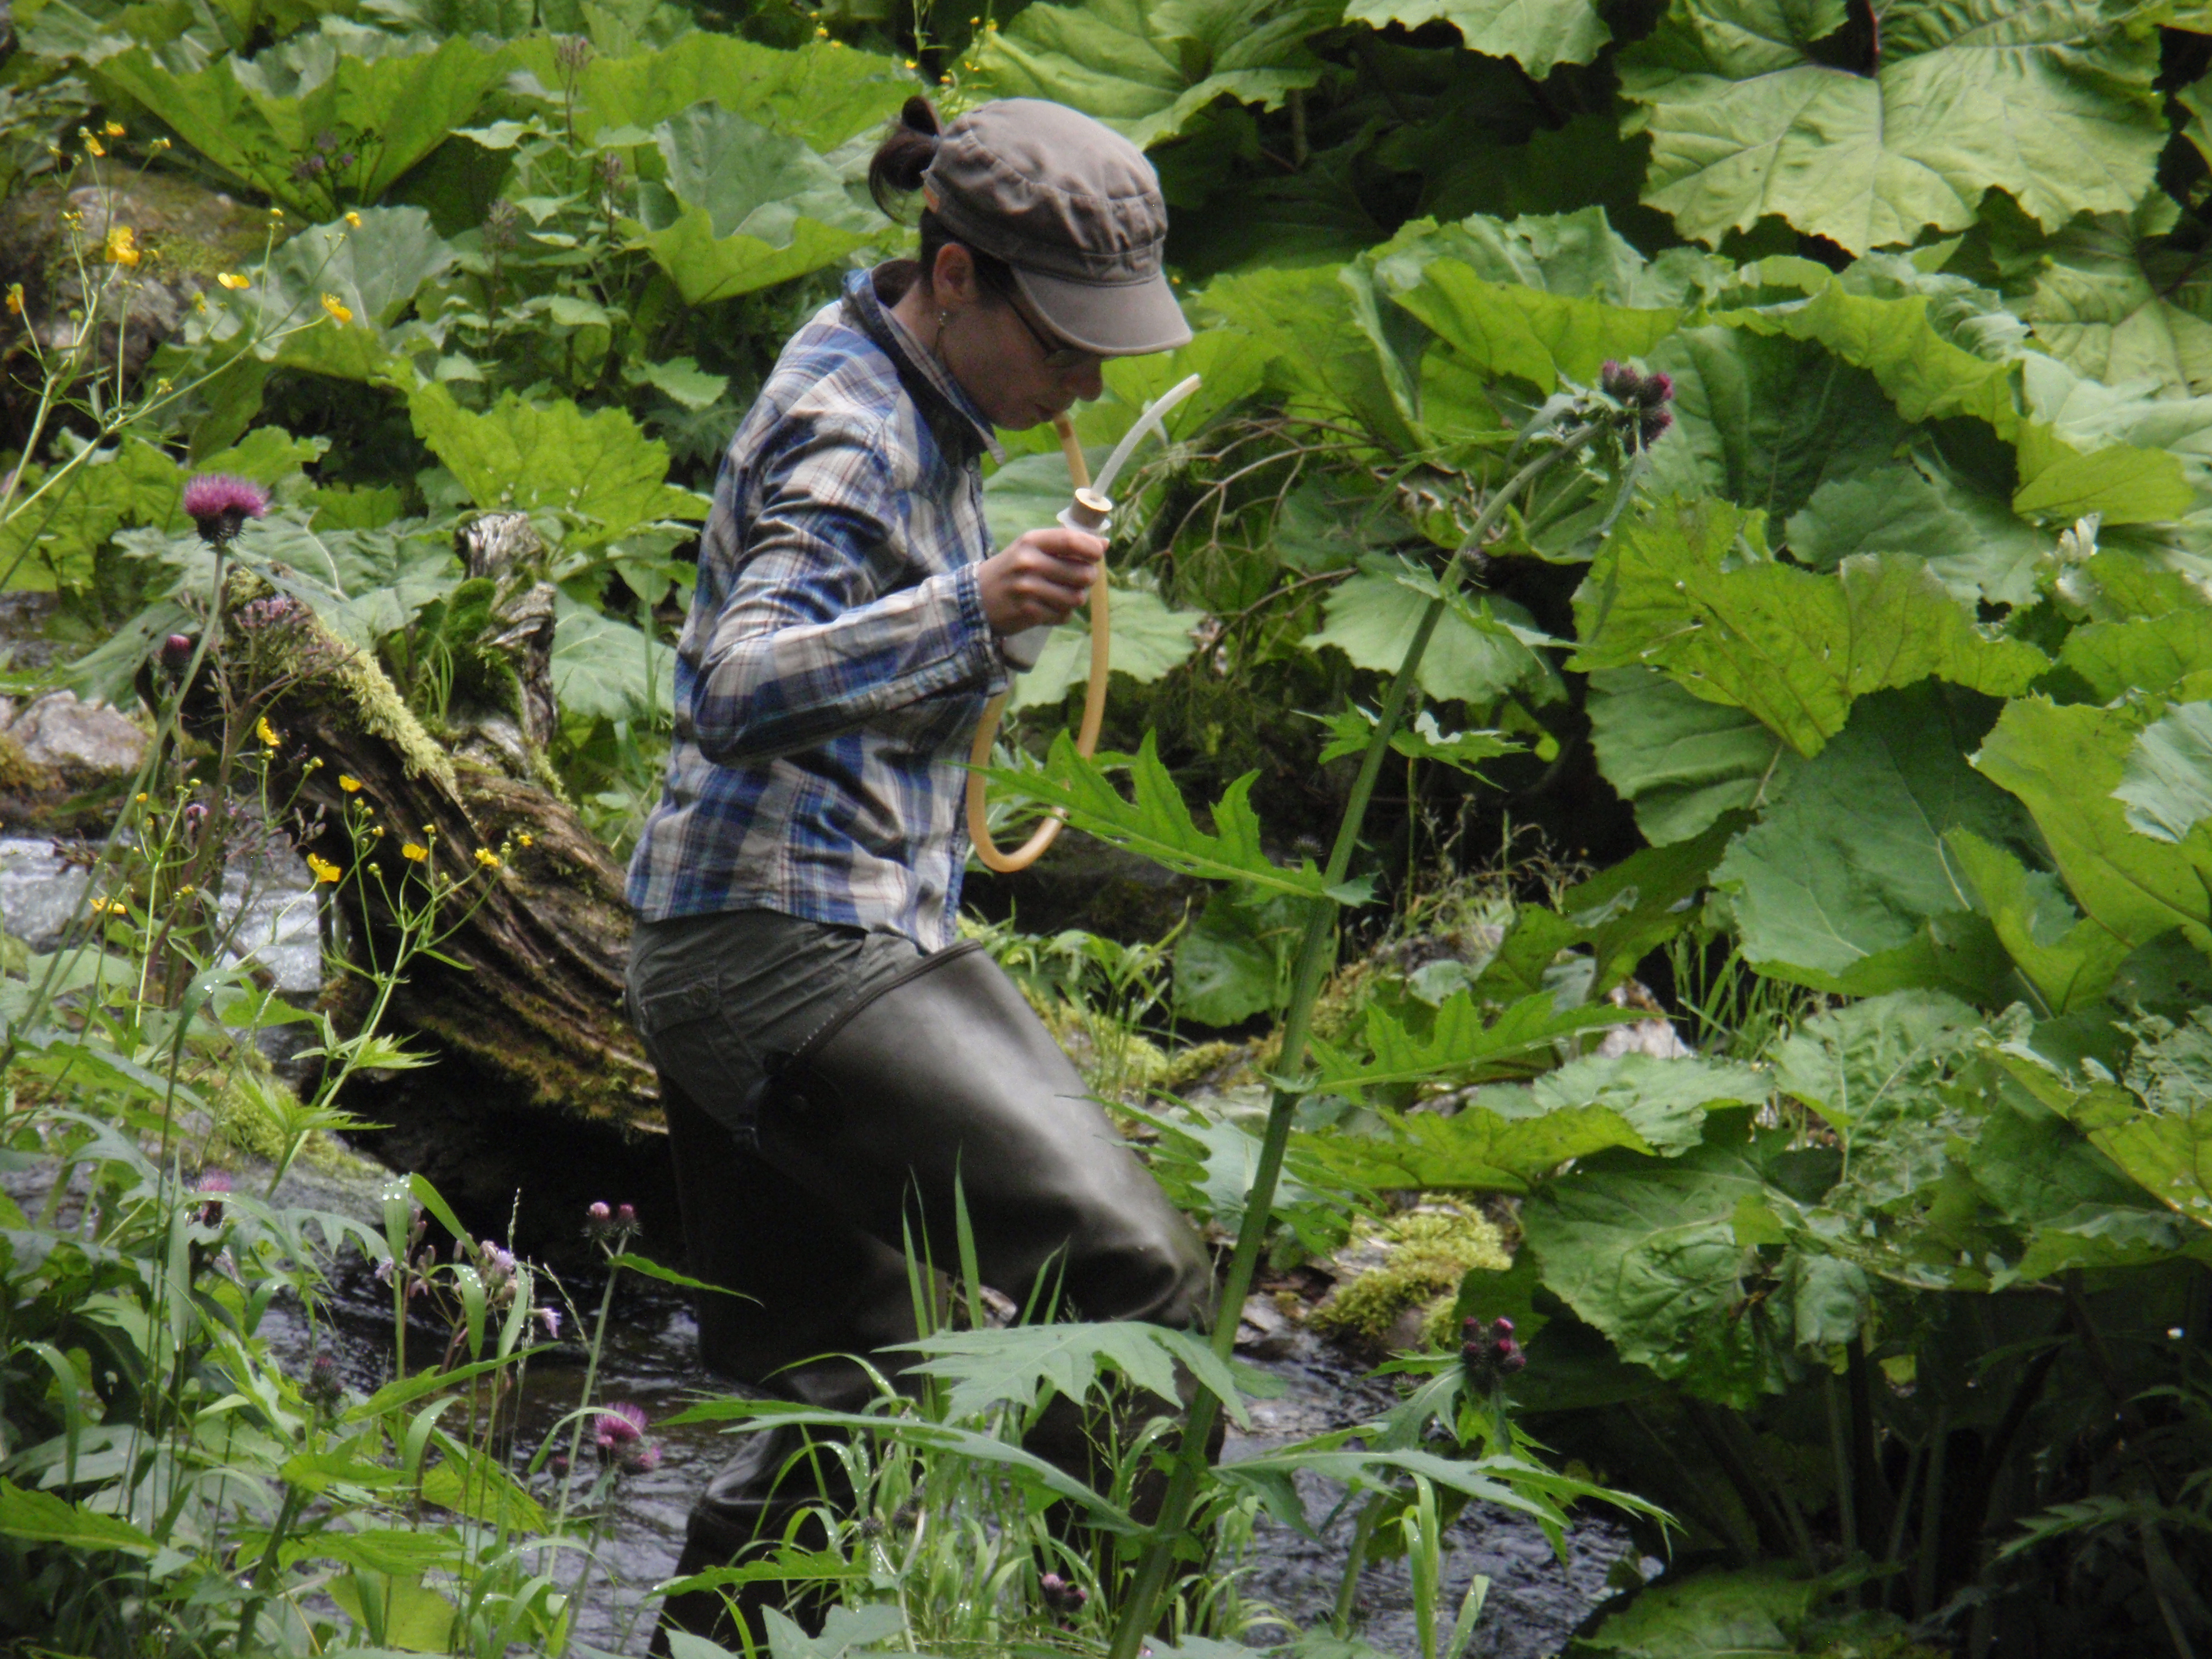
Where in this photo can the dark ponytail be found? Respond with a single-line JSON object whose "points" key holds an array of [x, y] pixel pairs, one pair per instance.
{"points": [[904, 155], [895, 171]]}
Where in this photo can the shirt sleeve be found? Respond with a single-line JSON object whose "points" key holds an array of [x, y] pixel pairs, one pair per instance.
{"points": [[805, 648]]}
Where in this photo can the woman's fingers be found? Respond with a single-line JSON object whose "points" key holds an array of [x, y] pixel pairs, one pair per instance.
{"points": [[1039, 580]]}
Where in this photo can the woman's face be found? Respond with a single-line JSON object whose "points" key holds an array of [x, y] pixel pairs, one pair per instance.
{"points": [[1004, 357]]}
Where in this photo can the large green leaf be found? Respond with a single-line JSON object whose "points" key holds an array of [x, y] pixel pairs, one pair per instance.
{"points": [[1494, 328], [2064, 762], [389, 111], [2163, 1136], [1692, 590], [751, 181], [2048, 100], [1705, 1615], [2167, 783], [1154, 821], [1977, 547], [43, 1517], [1765, 421], [821, 91], [1539, 35], [1474, 657], [707, 268], [2115, 301], [1318, 346], [1648, 1252], [2169, 655], [1848, 884], [1663, 1100], [605, 668], [1474, 1150], [1146, 67], [1857, 1064], [1146, 636], [597, 468], [2069, 958], [1680, 761]]}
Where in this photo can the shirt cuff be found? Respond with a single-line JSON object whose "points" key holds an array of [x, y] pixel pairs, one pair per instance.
{"points": [[980, 640]]}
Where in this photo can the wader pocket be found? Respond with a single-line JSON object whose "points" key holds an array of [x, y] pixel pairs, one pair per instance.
{"points": [[687, 1036]]}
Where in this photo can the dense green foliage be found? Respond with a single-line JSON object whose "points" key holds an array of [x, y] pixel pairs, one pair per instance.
{"points": [[1893, 654]]}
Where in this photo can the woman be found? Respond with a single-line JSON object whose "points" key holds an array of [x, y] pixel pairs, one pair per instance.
{"points": [[800, 878]]}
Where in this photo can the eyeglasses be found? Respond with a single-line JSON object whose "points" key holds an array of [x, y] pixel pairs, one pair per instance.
{"points": [[1057, 358]]}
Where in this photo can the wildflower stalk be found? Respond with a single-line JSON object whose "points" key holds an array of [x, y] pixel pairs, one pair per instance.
{"points": [[1316, 955]]}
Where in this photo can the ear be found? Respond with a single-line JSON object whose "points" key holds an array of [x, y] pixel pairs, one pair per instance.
{"points": [[953, 279]]}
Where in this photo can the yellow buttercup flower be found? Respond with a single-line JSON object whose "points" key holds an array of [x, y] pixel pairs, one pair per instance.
{"points": [[348, 782], [487, 858], [414, 852], [265, 732], [340, 313], [14, 299], [121, 245], [92, 145], [113, 129], [353, 220], [233, 281], [322, 868], [526, 839]]}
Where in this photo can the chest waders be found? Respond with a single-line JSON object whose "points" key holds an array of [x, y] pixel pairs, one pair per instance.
{"points": [[939, 1069]]}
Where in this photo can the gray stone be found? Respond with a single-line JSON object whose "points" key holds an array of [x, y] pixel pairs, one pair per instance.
{"points": [[85, 738]]}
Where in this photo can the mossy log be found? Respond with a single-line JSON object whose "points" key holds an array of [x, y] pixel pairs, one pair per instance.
{"points": [[539, 1083]]}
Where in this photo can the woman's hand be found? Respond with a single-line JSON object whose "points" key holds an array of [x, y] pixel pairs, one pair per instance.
{"points": [[1041, 579]]}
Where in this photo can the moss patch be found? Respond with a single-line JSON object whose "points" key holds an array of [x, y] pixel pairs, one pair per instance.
{"points": [[1400, 1263]]}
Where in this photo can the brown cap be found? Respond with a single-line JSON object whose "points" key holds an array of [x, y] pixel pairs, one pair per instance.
{"points": [[1074, 208]]}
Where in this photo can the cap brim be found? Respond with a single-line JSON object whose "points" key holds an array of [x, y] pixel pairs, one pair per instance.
{"points": [[1125, 319]]}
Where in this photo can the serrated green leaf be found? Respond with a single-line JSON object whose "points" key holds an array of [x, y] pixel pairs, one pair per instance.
{"points": [[597, 467], [751, 181], [1372, 615], [1154, 821], [2064, 762], [1351, 730], [2166, 783], [708, 269], [2118, 303], [1692, 591], [684, 381], [1146, 67], [44, 1518], [1978, 548], [1856, 1064], [1474, 1150], [394, 110], [1680, 761], [1494, 328], [605, 669], [988, 1368], [2070, 959], [2152, 656], [1539, 35], [49, 542], [2121, 484], [1847, 884], [1664, 1101], [1462, 1045], [2162, 1138], [2049, 101], [1647, 1252], [823, 92]]}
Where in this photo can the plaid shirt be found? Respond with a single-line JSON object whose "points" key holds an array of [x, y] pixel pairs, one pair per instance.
{"points": [[837, 658]]}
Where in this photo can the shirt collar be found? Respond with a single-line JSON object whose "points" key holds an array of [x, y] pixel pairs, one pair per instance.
{"points": [[867, 311]]}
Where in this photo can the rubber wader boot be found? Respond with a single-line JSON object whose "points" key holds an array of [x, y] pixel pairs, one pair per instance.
{"points": [[941, 1071]]}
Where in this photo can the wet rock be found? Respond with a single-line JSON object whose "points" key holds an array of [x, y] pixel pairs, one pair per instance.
{"points": [[1266, 1331], [1082, 883], [182, 231], [82, 742], [1655, 1036]]}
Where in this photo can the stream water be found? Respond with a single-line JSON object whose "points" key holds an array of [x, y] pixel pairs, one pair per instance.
{"points": [[651, 1359]]}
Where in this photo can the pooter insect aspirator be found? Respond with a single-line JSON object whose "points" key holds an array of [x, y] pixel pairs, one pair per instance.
{"points": [[1092, 511]]}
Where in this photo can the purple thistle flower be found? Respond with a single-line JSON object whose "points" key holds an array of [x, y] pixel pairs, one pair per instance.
{"points": [[1065, 1599], [645, 1461], [215, 1182], [1489, 1352], [625, 1216], [620, 1426], [220, 505]]}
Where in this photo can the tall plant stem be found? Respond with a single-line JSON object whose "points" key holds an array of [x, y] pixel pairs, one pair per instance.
{"points": [[1317, 956]]}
